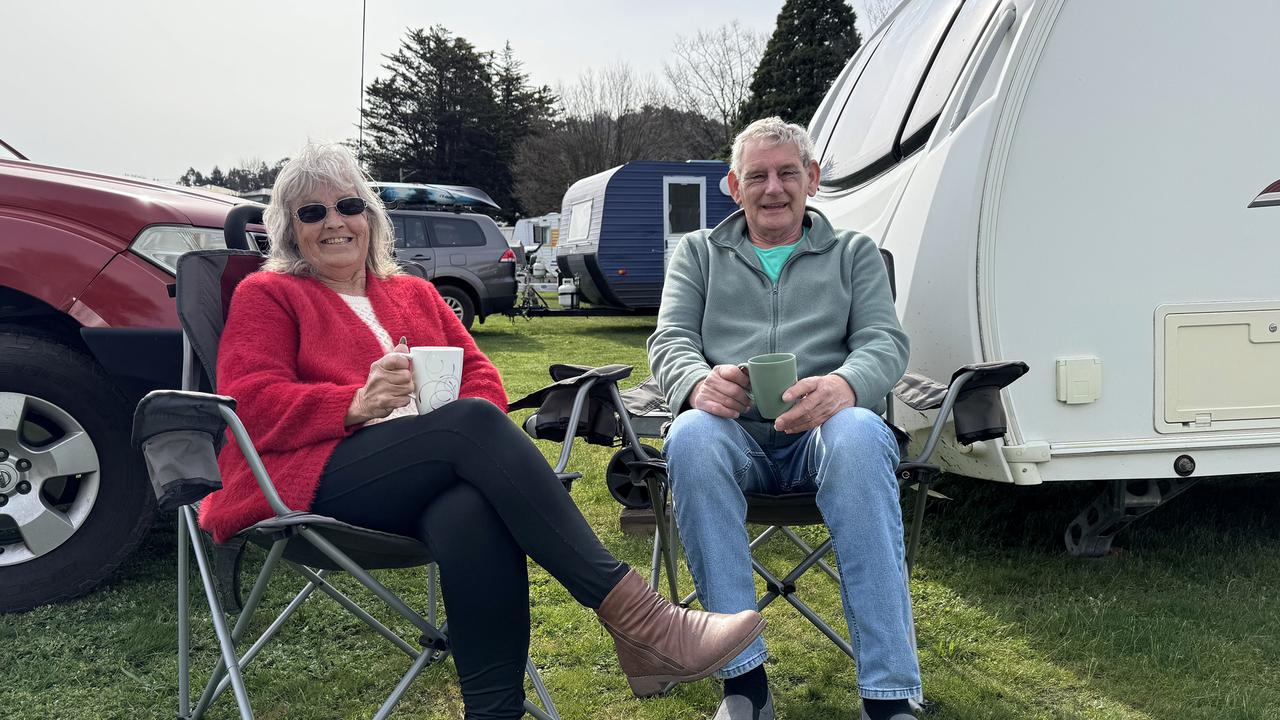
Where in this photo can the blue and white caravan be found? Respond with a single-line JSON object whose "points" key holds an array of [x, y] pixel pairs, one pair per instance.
{"points": [[618, 227]]}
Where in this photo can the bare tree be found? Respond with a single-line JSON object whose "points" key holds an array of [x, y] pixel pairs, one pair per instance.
{"points": [[711, 73], [609, 126], [606, 119], [875, 11]]}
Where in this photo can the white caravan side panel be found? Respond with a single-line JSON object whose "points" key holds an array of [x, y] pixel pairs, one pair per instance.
{"points": [[930, 225], [1147, 129]]}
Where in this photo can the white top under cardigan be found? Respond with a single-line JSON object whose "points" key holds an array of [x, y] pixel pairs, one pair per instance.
{"points": [[363, 309]]}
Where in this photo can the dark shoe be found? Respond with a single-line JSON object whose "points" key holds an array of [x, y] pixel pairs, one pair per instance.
{"points": [[898, 714], [738, 707], [659, 643]]}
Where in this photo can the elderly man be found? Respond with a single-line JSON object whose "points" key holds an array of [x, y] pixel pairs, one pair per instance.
{"points": [[777, 277]]}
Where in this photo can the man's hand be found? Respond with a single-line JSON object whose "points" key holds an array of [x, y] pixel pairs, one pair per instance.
{"points": [[389, 386], [820, 397], [723, 392]]}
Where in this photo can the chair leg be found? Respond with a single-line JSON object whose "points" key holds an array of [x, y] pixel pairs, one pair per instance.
{"points": [[363, 576], [218, 681], [664, 536], [324, 586], [550, 712], [807, 550], [423, 660], [433, 591], [655, 558], [821, 624], [184, 625], [225, 643], [924, 482]]}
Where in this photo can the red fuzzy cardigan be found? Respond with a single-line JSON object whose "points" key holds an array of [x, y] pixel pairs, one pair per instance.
{"points": [[293, 356]]}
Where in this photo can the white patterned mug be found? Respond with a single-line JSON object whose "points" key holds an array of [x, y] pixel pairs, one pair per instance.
{"points": [[437, 376]]}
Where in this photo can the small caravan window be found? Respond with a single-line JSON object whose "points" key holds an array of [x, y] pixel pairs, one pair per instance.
{"points": [[580, 220], [944, 71], [864, 137]]}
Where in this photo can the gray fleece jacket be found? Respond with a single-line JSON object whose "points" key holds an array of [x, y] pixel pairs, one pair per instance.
{"points": [[831, 306]]}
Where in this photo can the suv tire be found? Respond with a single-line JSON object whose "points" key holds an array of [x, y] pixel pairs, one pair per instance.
{"points": [[91, 493], [460, 303]]}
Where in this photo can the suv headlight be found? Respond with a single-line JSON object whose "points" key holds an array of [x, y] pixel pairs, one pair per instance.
{"points": [[162, 244]]}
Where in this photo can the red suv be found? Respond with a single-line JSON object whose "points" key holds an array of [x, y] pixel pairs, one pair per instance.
{"points": [[87, 325]]}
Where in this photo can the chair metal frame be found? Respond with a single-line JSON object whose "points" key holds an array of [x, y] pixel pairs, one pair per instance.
{"points": [[916, 472], [288, 527]]}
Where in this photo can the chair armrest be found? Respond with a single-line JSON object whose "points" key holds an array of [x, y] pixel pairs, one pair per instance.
{"points": [[179, 434], [973, 397], [569, 378], [164, 411], [251, 456]]}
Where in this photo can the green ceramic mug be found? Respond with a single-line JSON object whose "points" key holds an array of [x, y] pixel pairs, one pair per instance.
{"points": [[771, 375]]}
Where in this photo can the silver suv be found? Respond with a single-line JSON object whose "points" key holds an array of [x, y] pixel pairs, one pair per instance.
{"points": [[463, 254]]}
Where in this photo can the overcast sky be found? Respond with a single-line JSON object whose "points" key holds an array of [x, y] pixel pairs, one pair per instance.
{"points": [[152, 87]]}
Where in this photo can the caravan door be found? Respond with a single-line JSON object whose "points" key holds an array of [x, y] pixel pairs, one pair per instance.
{"points": [[684, 202]]}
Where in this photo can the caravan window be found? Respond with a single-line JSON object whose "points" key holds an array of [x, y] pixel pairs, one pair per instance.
{"points": [[834, 100], [684, 205], [580, 221], [944, 71], [864, 137]]}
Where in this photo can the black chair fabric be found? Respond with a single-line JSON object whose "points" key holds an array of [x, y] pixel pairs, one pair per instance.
{"points": [[370, 549], [208, 278]]}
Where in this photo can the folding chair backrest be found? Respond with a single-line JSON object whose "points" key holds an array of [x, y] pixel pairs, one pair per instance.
{"points": [[888, 266], [206, 280]]}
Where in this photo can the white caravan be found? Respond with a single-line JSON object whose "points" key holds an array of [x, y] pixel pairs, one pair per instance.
{"points": [[542, 232], [1082, 185]]}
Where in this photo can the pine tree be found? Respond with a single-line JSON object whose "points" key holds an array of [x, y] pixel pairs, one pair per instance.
{"points": [[447, 113], [813, 41], [522, 111]]}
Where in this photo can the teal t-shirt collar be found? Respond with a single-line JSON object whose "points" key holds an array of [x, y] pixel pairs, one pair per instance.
{"points": [[772, 259]]}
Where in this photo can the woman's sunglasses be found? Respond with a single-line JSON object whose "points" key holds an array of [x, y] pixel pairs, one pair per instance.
{"points": [[315, 212]]}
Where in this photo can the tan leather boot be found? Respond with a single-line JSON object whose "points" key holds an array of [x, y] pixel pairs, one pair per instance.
{"points": [[659, 643]]}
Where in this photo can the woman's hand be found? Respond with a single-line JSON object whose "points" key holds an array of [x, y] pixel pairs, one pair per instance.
{"points": [[389, 386]]}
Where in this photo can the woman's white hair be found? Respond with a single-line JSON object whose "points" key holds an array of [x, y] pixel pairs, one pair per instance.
{"points": [[319, 166], [772, 131]]}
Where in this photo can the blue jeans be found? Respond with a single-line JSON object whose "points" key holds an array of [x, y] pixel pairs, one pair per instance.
{"points": [[849, 461]]}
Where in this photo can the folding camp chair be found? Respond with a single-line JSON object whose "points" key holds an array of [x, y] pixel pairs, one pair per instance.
{"points": [[637, 477], [180, 433]]}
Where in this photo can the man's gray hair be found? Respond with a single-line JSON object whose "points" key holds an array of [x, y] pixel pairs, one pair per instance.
{"points": [[319, 166], [772, 131]]}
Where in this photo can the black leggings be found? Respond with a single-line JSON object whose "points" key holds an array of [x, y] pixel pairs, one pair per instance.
{"points": [[467, 482]]}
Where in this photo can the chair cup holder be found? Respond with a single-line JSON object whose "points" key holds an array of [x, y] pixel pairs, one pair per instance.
{"points": [[183, 467]]}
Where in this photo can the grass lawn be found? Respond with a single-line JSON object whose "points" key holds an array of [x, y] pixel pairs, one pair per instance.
{"points": [[1183, 621]]}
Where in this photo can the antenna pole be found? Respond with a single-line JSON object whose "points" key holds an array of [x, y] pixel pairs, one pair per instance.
{"points": [[360, 146]]}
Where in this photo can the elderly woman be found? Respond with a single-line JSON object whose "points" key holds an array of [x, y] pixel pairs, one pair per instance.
{"points": [[326, 395]]}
